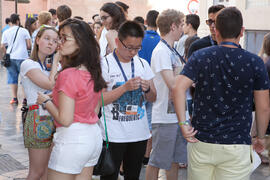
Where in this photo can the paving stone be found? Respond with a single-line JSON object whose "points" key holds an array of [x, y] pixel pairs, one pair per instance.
{"points": [[9, 164]]}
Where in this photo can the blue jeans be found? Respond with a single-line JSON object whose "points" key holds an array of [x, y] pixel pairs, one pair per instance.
{"points": [[148, 107], [13, 71]]}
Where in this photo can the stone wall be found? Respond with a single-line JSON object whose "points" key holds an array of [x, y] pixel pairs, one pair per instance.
{"points": [[84, 8]]}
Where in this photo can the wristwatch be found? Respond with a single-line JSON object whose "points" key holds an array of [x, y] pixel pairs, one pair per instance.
{"points": [[43, 105], [147, 91]]}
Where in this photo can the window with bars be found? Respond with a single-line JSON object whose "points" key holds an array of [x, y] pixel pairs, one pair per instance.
{"points": [[254, 40], [220, 1], [224, 2], [257, 3]]}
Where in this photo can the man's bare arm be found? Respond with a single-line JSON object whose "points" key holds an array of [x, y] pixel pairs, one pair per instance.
{"points": [[262, 111], [3, 48]]}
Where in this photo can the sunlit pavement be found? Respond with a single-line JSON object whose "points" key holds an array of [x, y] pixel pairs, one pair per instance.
{"points": [[14, 157]]}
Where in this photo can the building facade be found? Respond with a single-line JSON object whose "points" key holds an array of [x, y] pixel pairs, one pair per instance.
{"points": [[254, 12], [87, 8], [83, 8]]}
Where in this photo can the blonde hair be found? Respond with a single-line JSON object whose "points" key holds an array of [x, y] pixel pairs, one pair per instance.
{"points": [[34, 53], [167, 18], [44, 17], [265, 50]]}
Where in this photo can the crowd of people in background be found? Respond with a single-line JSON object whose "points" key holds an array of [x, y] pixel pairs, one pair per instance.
{"points": [[170, 98]]}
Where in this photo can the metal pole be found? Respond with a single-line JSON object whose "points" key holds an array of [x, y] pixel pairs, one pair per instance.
{"points": [[16, 6]]}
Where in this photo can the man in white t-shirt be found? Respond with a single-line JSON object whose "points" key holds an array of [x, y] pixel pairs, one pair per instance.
{"points": [[17, 50], [130, 82], [168, 145]]}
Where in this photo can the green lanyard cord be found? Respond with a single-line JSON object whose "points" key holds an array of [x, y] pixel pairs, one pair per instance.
{"points": [[106, 134]]}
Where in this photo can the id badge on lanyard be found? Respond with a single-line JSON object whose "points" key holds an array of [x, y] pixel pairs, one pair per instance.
{"points": [[130, 109]]}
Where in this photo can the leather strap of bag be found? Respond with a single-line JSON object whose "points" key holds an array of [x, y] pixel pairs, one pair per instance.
{"points": [[106, 134], [14, 39]]}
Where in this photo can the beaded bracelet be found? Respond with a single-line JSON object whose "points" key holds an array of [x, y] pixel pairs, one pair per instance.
{"points": [[183, 123]]}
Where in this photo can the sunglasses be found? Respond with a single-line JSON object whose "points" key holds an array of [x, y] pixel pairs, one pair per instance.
{"points": [[44, 26], [209, 22]]}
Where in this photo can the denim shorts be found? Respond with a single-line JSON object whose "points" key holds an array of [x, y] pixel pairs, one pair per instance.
{"points": [[13, 71], [148, 107]]}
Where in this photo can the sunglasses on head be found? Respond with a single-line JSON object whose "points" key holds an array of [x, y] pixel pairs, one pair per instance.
{"points": [[46, 27]]}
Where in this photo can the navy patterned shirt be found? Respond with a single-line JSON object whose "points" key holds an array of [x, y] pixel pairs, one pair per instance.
{"points": [[225, 80]]}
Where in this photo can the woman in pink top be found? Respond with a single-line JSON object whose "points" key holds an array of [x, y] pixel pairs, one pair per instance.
{"points": [[76, 95]]}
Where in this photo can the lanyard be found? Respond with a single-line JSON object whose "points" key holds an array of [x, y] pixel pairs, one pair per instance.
{"points": [[230, 43], [45, 65], [174, 51], [211, 40], [121, 68], [48, 59]]}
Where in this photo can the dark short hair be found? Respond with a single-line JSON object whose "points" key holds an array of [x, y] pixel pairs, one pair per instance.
{"points": [[87, 53], [122, 5], [93, 17], [229, 22], [63, 12], [151, 18], [130, 28], [78, 17], [7, 20], [52, 11], [29, 22], [117, 14], [14, 18], [215, 8], [139, 19], [194, 20]]}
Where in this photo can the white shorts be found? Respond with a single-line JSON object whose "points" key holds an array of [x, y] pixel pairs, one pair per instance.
{"points": [[75, 147]]}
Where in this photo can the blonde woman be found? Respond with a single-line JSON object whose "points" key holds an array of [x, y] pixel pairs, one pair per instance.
{"points": [[265, 50], [38, 75]]}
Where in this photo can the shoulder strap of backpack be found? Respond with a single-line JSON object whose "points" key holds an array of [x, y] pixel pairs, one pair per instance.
{"points": [[107, 64], [141, 61], [14, 39]]}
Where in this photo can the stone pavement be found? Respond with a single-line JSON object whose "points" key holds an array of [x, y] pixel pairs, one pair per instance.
{"points": [[14, 157]]}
